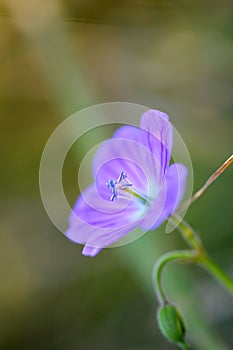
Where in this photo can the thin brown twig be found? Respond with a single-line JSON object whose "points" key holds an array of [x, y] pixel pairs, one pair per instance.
{"points": [[212, 178]]}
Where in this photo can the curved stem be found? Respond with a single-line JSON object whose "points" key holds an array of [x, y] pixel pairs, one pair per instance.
{"points": [[204, 261], [185, 255], [197, 255]]}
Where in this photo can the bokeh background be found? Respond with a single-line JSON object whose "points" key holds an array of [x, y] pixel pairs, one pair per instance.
{"points": [[57, 57]]}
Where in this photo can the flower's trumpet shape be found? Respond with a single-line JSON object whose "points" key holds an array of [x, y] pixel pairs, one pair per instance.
{"points": [[134, 185]]}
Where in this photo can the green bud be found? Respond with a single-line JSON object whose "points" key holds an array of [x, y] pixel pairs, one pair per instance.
{"points": [[172, 325]]}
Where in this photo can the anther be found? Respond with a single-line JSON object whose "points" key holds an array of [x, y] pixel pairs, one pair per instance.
{"points": [[122, 186], [122, 176], [120, 183]]}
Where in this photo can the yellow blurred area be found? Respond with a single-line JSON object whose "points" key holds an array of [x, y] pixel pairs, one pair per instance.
{"points": [[57, 57]]}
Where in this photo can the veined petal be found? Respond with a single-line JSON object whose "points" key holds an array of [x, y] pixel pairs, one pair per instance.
{"points": [[127, 155], [169, 197], [158, 128], [90, 251], [95, 244], [95, 221], [134, 185], [124, 148], [147, 154]]}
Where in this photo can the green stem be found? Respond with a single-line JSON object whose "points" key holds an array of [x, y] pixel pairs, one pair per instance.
{"points": [[189, 235], [183, 346], [213, 269], [196, 255], [203, 260], [185, 255]]}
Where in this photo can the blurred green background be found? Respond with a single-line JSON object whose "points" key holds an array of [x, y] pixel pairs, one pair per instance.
{"points": [[57, 57]]}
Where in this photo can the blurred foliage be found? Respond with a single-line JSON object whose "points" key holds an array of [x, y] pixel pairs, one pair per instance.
{"points": [[57, 57]]}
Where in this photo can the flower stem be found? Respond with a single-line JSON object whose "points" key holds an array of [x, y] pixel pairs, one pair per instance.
{"points": [[197, 255], [210, 266], [189, 234], [184, 255], [203, 259]]}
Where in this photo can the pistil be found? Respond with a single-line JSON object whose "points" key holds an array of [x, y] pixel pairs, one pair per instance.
{"points": [[123, 185]]}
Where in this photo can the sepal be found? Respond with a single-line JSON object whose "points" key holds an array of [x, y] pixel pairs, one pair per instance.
{"points": [[172, 325]]}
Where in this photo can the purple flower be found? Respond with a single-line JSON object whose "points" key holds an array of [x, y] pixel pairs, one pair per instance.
{"points": [[134, 185]]}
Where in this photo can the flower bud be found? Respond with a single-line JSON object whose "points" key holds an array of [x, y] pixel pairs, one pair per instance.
{"points": [[172, 325]]}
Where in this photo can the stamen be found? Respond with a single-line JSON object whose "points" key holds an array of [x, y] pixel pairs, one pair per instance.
{"points": [[112, 185], [122, 176], [122, 183]]}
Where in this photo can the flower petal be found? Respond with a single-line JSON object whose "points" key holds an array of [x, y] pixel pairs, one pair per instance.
{"points": [[144, 155], [104, 240], [111, 171], [147, 155], [90, 251], [97, 222], [169, 197], [130, 156], [125, 149], [158, 128]]}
